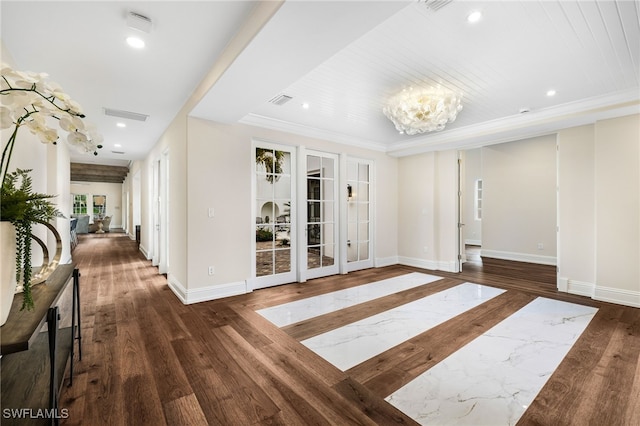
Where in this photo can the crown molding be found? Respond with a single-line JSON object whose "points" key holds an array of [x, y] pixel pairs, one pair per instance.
{"points": [[506, 129], [531, 124], [312, 132]]}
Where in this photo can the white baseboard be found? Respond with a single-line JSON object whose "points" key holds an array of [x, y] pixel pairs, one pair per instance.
{"points": [[603, 294], [145, 252], [434, 265], [519, 257], [616, 295], [580, 288], [205, 294], [381, 262], [177, 288], [473, 242]]}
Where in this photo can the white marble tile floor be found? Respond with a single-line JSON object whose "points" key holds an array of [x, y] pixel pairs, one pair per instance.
{"points": [[493, 379], [354, 343], [293, 312]]}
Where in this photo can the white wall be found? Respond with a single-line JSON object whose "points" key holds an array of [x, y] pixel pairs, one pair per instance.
{"points": [[30, 153], [113, 191], [599, 210], [58, 183], [219, 175], [472, 165], [576, 210], [519, 200], [427, 210], [617, 196]]}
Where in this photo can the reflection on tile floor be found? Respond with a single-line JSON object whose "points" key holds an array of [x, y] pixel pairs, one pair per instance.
{"points": [[490, 381]]}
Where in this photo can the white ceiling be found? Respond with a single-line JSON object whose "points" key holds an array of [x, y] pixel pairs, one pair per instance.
{"points": [[345, 59], [81, 45]]}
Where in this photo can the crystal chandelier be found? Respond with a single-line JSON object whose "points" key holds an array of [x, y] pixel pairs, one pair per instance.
{"points": [[422, 110]]}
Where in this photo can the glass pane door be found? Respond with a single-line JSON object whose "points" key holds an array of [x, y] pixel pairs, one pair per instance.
{"points": [[321, 229], [359, 227], [273, 225]]}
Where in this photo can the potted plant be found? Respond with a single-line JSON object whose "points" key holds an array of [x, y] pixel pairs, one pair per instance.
{"points": [[22, 208], [29, 100]]}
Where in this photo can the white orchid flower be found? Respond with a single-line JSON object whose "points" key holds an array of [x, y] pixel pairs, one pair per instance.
{"points": [[6, 119], [48, 136], [76, 138], [36, 123], [71, 123], [74, 106], [28, 98]]}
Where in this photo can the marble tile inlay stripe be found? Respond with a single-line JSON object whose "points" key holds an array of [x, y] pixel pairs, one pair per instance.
{"points": [[299, 310], [493, 379], [352, 344]]}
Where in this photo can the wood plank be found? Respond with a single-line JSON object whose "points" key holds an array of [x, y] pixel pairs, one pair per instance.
{"points": [[184, 411], [229, 365]]}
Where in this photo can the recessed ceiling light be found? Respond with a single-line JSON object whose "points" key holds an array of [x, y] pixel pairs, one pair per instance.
{"points": [[121, 125], [117, 145], [305, 105], [474, 16], [551, 92], [135, 42]]}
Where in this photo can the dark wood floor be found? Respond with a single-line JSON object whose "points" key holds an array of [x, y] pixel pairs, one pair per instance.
{"points": [[150, 360]]}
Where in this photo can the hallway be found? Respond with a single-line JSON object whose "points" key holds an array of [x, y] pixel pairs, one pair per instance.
{"points": [[150, 360]]}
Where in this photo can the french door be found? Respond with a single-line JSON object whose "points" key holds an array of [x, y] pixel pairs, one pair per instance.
{"points": [[359, 214], [321, 205], [312, 214], [275, 224]]}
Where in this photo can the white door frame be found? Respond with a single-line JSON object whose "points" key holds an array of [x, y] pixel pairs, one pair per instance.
{"points": [[163, 191]]}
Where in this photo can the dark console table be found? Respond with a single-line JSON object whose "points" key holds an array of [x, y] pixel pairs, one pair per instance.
{"points": [[37, 346]]}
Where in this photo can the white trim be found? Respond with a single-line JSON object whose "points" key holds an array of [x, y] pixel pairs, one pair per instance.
{"points": [[178, 289], [381, 262], [312, 132], [144, 251], [519, 257], [616, 295], [580, 288], [522, 126], [434, 265], [205, 294], [562, 284], [473, 242]]}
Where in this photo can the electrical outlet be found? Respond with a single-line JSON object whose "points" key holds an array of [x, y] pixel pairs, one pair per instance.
{"points": [[540, 246], [211, 212], [212, 270]]}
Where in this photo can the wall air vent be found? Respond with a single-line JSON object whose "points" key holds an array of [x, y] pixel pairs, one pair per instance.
{"points": [[280, 99], [125, 114], [436, 4]]}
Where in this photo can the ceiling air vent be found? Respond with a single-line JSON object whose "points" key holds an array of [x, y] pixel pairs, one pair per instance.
{"points": [[125, 114], [280, 99], [139, 22], [436, 4], [117, 152]]}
